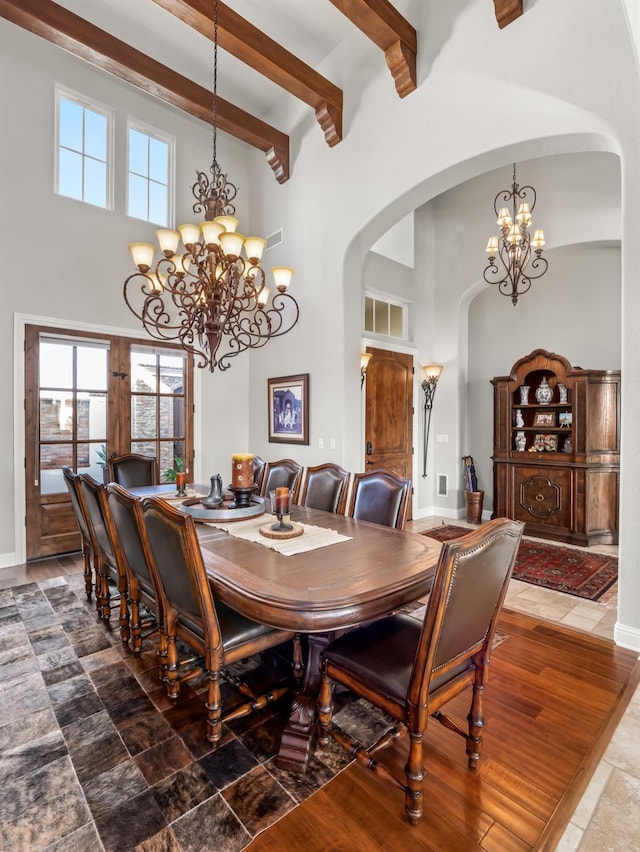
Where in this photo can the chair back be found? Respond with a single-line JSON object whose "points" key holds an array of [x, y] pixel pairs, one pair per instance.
{"points": [[258, 472], [324, 487], [183, 583], [90, 490], [79, 509], [284, 473], [381, 497], [466, 598], [128, 528], [133, 470]]}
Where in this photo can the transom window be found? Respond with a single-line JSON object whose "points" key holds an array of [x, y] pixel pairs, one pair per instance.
{"points": [[382, 316], [84, 150], [148, 188]]}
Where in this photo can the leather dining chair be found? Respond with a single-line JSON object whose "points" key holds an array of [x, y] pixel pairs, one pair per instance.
{"points": [[107, 567], [87, 538], [381, 497], [324, 487], [285, 473], [125, 526], [218, 633], [133, 470], [410, 670], [258, 472]]}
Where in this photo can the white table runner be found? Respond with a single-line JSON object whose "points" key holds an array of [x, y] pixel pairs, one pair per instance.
{"points": [[311, 539]]}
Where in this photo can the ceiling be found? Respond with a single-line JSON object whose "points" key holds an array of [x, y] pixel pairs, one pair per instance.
{"points": [[270, 51]]}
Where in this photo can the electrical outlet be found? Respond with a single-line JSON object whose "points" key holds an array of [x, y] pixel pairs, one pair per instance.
{"points": [[321, 443], [332, 444]]}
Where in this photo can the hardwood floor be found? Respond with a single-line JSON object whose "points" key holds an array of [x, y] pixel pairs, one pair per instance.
{"points": [[553, 700]]}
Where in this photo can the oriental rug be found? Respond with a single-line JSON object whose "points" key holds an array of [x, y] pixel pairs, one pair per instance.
{"points": [[581, 573]]}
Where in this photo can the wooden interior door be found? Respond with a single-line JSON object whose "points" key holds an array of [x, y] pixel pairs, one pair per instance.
{"points": [[389, 413]]}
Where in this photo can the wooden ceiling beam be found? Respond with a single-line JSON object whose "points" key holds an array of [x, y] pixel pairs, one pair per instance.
{"points": [[507, 11], [82, 39], [251, 46], [385, 26]]}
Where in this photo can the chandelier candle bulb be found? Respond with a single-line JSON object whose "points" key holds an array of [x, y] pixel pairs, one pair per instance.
{"points": [[242, 470], [142, 254]]}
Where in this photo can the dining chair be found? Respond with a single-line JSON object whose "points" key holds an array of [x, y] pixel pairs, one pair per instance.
{"points": [[380, 496], [410, 670], [285, 473], [324, 487], [220, 634], [133, 470], [125, 526], [87, 538], [258, 472], [107, 567]]}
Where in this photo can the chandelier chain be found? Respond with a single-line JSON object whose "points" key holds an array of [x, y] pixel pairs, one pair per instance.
{"points": [[214, 160]]}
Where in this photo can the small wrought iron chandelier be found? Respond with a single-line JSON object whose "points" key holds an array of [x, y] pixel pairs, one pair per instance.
{"points": [[519, 265], [210, 293]]}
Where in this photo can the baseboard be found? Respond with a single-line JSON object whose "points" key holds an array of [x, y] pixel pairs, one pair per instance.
{"points": [[7, 560], [627, 637]]}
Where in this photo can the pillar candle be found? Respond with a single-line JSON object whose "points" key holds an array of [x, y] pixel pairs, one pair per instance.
{"points": [[282, 500], [242, 470]]}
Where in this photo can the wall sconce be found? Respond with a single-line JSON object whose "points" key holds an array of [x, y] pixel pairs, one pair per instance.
{"points": [[365, 357], [431, 376]]}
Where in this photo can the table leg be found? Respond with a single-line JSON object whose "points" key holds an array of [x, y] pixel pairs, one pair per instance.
{"points": [[298, 738]]}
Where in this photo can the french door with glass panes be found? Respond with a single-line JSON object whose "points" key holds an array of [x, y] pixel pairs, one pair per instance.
{"points": [[89, 398]]}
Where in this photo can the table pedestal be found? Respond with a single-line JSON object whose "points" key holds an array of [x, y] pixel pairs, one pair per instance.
{"points": [[298, 737]]}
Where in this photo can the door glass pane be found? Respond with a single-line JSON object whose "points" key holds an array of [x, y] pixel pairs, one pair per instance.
{"points": [[381, 318], [169, 452], [143, 372], [90, 461], [92, 368], [92, 416], [53, 457], [56, 365], [56, 415], [143, 417]]}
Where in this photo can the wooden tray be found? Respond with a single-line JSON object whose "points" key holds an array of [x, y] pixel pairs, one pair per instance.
{"points": [[267, 532]]}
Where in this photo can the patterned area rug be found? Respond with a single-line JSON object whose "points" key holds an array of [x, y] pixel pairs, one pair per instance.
{"points": [[575, 572]]}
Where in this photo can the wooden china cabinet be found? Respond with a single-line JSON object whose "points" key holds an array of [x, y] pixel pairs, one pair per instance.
{"points": [[556, 454]]}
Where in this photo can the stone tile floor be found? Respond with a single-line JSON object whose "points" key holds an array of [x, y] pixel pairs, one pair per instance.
{"points": [[93, 755]]}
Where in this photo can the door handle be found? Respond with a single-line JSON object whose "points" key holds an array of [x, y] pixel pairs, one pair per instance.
{"points": [[369, 448], [369, 461]]}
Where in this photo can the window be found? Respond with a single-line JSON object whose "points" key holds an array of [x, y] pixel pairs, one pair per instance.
{"points": [[382, 316], [150, 166], [84, 150]]}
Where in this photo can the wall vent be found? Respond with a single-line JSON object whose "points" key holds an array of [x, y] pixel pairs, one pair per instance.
{"points": [[274, 239], [443, 486]]}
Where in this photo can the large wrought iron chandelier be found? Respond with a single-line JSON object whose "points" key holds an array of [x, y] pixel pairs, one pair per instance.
{"points": [[520, 256], [210, 294]]}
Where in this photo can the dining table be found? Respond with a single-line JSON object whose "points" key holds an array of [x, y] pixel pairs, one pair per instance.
{"points": [[339, 573]]}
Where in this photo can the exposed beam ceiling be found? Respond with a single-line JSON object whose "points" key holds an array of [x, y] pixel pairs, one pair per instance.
{"points": [[392, 33], [507, 11], [103, 50], [263, 54]]}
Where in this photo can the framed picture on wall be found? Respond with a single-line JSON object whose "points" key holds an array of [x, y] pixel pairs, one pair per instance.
{"points": [[288, 409]]}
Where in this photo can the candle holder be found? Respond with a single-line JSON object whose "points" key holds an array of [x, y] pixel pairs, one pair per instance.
{"points": [[280, 506], [242, 496], [181, 483]]}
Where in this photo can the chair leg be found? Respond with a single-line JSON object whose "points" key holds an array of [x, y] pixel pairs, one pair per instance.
{"points": [[325, 709], [87, 572], [172, 670], [476, 724], [214, 708], [298, 662], [123, 619], [414, 773], [136, 627]]}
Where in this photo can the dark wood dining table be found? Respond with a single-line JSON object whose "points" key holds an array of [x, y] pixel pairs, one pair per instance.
{"points": [[318, 592]]}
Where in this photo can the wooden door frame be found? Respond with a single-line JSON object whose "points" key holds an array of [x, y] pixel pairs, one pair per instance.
{"points": [[393, 346], [20, 322]]}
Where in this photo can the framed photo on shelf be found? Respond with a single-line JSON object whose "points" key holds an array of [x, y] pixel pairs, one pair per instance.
{"points": [[288, 409], [544, 418], [546, 443], [565, 419]]}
